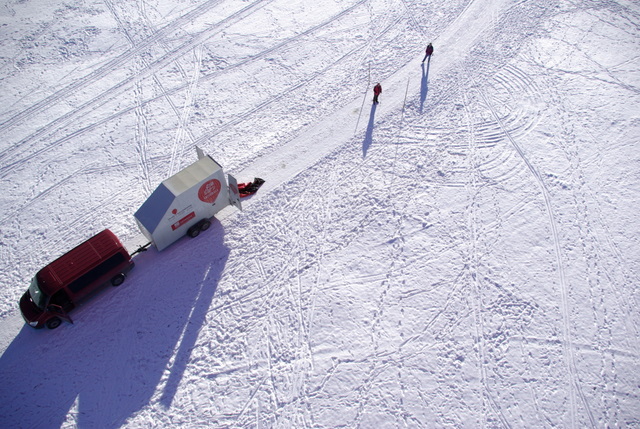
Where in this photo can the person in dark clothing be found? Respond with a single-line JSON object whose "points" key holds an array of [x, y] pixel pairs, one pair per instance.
{"points": [[428, 52], [377, 90], [250, 188]]}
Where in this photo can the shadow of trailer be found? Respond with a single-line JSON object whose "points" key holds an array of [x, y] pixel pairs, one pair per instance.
{"points": [[184, 203]]}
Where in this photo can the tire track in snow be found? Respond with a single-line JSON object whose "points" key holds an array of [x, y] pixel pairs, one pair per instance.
{"points": [[596, 267], [109, 67], [625, 300], [606, 273], [301, 84], [340, 116], [142, 139], [121, 86], [512, 87], [566, 312], [281, 95], [372, 375], [278, 286], [472, 266], [10, 165], [15, 210], [472, 263], [397, 248], [162, 42], [519, 87], [187, 108], [142, 129], [414, 23]]}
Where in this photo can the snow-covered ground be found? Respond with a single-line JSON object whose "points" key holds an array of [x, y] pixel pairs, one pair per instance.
{"points": [[464, 254]]}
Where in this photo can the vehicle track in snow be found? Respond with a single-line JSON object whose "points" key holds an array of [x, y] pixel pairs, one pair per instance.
{"points": [[372, 375], [489, 166], [600, 261], [117, 89], [472, 262], [141, 63], [141, 136], [514, 91], [479, 191], [142, 140], [298, 85], [387, 159], [182, 132], [570, 358], [107, 96], [121, 60]]}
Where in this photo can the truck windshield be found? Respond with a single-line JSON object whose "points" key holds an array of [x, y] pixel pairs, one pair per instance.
{"points": [[39, 298]]}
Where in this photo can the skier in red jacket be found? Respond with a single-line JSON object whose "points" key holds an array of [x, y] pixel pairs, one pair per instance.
{"points": [[377, 90], [428, 52]]}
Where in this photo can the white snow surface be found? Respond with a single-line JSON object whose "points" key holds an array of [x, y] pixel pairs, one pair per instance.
{"points": [[464, 254]]}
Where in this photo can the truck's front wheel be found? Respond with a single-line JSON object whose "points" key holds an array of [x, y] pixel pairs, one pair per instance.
{"points": [[53, 323]]}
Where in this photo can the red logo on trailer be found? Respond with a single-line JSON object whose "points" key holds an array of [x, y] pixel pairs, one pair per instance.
{"points": [[182, 221], [209, 191]]}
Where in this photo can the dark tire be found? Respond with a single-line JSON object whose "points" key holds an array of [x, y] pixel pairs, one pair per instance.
{"points": [[205, 225], [118, 280], [194, 231], [53, 323]]}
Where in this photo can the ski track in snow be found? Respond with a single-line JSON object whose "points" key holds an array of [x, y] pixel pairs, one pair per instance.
{"points": [[456, 256], [115, 90], [109, 96], [561, 272], [114, 64]]}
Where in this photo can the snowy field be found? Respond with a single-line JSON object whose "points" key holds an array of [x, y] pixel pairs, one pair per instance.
{"points": [[463, 255]]}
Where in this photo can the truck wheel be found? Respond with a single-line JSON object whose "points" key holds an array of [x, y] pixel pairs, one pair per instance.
{"points": [[118, 280], [205, 225], [53, 323], [193, 231]]}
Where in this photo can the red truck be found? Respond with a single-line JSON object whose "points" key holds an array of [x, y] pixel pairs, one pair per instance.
{"points": [[75, 276]]}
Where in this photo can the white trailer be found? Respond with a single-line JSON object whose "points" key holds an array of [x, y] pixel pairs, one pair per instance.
{"points": [[184, 203]]}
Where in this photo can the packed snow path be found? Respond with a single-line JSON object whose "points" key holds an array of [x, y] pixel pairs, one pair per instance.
{"points": [[463, 254]]}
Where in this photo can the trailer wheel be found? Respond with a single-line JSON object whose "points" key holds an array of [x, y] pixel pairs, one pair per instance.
{"points": [[205, 225], [118, 280], [53, 323], [193, 231]]}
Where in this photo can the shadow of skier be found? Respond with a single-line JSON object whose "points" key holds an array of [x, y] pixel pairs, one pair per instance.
{"points": [[424, 84], [368, 137]]}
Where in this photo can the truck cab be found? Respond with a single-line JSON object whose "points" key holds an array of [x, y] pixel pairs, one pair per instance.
{"points": [[62, 285]]}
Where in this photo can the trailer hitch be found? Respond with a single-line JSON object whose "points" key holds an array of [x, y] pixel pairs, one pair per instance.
{"points": [[142, 248]]}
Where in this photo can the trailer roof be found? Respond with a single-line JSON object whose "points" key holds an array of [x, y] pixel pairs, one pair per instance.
{"points": [[191, 175]]}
